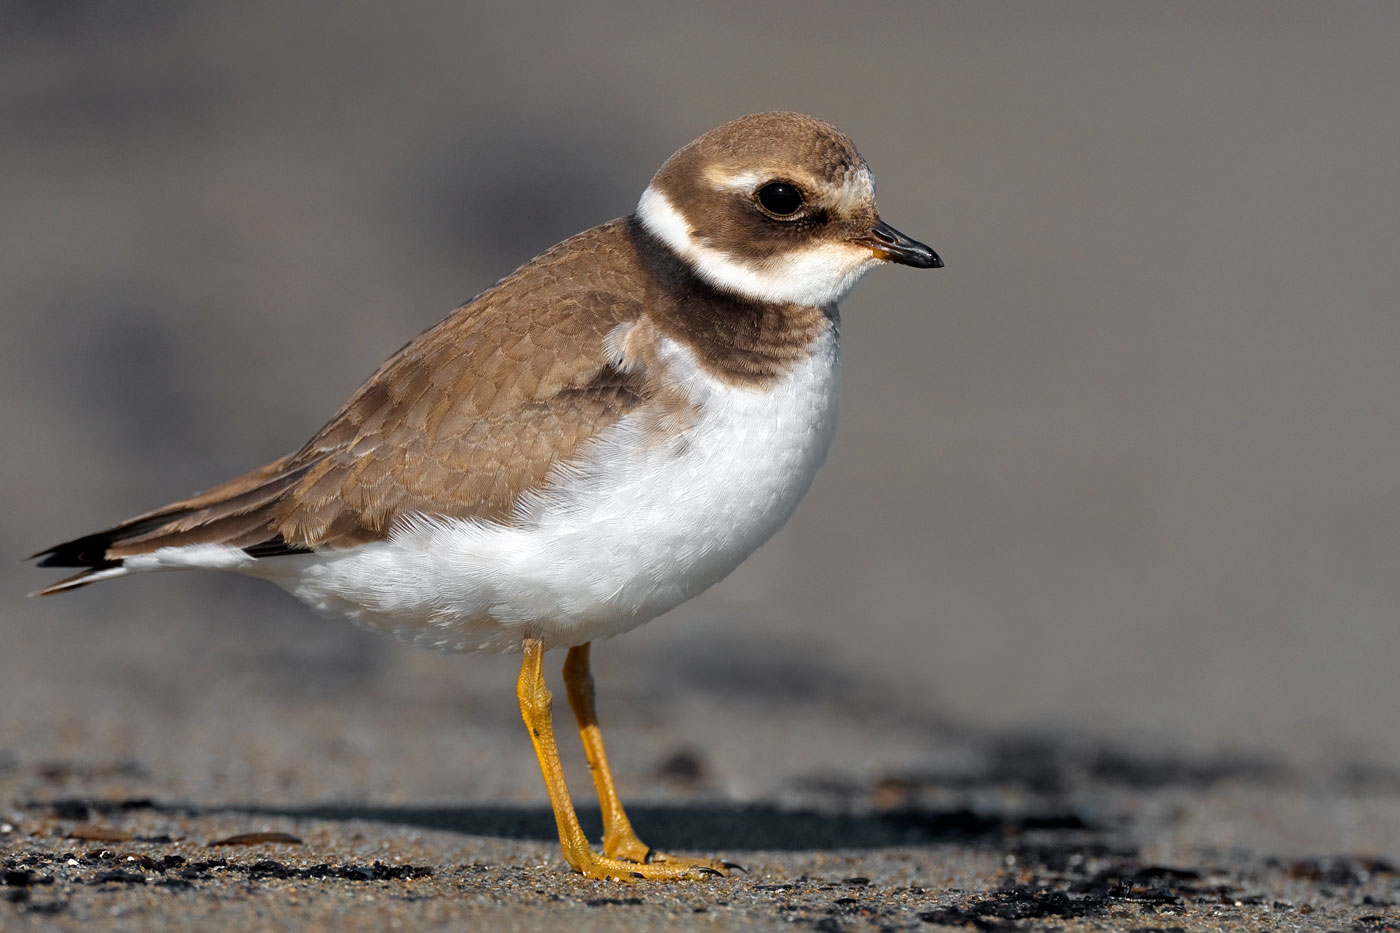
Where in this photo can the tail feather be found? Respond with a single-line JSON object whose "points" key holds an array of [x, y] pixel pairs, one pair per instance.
{"points": [[91, 550], [242, 513], [80, 579]]}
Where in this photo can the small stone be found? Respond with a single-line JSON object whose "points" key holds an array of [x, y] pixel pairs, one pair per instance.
{"points": [[17, 878], [684, 766], [91, 833], [119, 877], [253, 839]]}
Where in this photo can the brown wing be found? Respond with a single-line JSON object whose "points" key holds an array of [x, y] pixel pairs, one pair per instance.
{"points": [[461, 422]]}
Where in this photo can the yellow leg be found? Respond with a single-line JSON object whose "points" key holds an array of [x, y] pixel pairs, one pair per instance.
{"points": [[619, 839], [534, 708]]}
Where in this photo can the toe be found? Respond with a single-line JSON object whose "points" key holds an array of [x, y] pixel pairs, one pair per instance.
{"points": [[710, 866], [603, 868]]}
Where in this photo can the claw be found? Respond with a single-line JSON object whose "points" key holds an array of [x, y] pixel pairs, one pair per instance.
{"points": [[735, 866], [707, 870]]}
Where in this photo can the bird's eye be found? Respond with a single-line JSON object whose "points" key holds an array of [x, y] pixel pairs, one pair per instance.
{"points": [[780, 198]]}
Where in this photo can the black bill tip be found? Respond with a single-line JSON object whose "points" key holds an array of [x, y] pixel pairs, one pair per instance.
{"points": [[892, 246]]}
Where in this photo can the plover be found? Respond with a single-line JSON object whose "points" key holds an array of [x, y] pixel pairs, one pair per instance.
{"points": [[593, 440]]}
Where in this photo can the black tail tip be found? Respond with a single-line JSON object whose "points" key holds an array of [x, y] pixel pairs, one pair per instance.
{"points": [[90, 552]]}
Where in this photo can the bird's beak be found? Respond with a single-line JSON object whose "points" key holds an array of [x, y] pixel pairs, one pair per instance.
{"points": [[889, 244]]}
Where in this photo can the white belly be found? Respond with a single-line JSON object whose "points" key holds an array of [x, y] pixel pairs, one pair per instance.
{"points": [[637, 528]]}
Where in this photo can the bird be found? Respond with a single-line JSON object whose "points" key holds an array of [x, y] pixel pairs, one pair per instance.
{"points": [[593, 440]]}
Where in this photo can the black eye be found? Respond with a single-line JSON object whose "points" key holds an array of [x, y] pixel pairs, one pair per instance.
{"points": [[780, 198]]}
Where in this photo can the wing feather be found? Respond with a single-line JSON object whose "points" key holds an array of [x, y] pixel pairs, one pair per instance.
{"points": [[462, 422]]}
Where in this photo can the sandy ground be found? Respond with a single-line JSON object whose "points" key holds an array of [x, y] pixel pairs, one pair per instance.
{"points": [[1018, 835], [408, 798], [1090, 622]]}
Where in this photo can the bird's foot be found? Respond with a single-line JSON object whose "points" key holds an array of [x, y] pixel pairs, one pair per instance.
{"points": [[592, 865], [631, 849], [705, 864]]}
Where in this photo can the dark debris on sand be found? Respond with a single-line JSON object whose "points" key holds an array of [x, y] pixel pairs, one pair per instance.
{"points": [[1002, 846]]}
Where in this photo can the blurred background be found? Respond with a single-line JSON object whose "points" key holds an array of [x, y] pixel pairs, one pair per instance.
{"points": [[1129, 467]]}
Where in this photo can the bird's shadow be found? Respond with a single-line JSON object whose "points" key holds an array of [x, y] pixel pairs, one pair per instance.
{"points": [[1039, 779], [727, 827]]}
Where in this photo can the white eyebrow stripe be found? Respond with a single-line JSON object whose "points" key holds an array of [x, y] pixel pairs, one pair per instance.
{"points": [[816, 277], [859, 186], [736, 181], [858, 189]]}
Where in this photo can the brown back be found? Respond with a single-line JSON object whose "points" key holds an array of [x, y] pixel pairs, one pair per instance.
{"points": [[460, 422]]}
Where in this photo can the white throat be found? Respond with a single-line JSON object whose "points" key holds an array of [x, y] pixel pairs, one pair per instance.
{"points": [[818, 276]]}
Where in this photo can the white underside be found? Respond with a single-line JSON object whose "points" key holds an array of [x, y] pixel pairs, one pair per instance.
{"points": [[635, 528]]}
